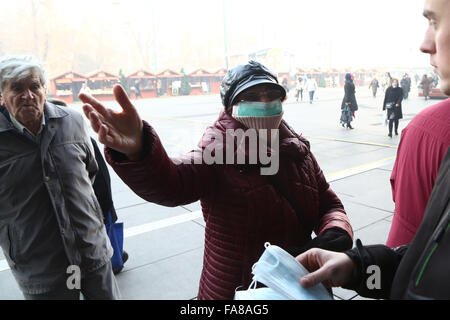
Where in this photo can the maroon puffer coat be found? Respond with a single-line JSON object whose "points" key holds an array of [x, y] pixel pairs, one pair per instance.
{"points": [[242, 210]]}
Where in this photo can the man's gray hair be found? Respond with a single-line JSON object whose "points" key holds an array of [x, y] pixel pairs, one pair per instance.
{"points": [[17, 68]]}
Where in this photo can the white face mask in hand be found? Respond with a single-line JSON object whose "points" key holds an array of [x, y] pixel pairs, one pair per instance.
{"points": [[281, 273]]}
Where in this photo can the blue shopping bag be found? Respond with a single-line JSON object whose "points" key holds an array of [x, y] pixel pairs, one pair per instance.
{"points": [[115, 234]]}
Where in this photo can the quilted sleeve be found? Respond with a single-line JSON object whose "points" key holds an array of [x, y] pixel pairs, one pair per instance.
{"points": [[159, 179]]}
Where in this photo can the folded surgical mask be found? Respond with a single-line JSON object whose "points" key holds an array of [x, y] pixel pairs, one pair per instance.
{"points": [[281, 273]]}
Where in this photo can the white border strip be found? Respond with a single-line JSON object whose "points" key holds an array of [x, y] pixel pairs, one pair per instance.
{"points": [[144, 228], [358, 169]]}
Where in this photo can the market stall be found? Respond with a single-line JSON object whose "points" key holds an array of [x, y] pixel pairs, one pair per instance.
{"points": [[315, 74], [101, 83], [143, 81], [216, 80], [67, 86], [168, 82], [332, 78], [200, 81]]}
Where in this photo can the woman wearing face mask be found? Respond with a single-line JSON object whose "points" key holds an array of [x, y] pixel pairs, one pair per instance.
{"points": [[393, 104], [242, 207]]}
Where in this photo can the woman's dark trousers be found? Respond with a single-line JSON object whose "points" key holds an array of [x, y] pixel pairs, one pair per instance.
{"points": [[391, 123]]}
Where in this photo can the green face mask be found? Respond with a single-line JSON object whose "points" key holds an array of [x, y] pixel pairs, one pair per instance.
{"points": [[258, 109]]}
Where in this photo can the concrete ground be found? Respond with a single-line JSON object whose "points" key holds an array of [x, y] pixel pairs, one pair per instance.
{"points": [[165, 245]]}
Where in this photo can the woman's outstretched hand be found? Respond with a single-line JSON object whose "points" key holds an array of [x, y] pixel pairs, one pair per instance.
{"points": [[121, 131]]}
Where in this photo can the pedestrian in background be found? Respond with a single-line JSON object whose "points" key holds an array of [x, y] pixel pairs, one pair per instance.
{"points": [[137, 87], [387, 81], [426, 84], [374, 85], [405, 83], [311, 87], [393, 104], [349, 105], [284, 83], [299, 89]]}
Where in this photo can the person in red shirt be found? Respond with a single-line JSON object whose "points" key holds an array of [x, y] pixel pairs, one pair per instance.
{"points": [[422, 147]]}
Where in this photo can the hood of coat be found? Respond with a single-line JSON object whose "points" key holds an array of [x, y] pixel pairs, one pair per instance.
{"points": [[290, 143], [348, 77]]}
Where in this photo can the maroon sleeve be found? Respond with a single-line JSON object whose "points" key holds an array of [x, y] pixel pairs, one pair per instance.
{"points": [[332, 213], [159, 179]]}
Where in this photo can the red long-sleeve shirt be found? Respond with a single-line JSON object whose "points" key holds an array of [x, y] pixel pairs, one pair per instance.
{"points": [[422, 147]]}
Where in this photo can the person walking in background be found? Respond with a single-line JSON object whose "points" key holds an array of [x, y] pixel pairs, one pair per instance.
{"points": [[405, 83], [158, 88], [387, 81], [389, 78], [393, 104], [349, 104], [284, 83], [299, 89], [434, 80], [311, 87], [137, 87], [85, 88], [374, 85], [426, 84]]}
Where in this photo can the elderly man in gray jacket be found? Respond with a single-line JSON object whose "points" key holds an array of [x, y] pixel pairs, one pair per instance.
{"points": [[51, 225]]}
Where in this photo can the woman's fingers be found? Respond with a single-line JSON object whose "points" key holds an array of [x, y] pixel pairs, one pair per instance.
{"points": [[94, 103], [93, 117], [122, 98]]}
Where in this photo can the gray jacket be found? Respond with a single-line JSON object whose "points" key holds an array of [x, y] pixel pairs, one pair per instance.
{"points": [[49, 215]]}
